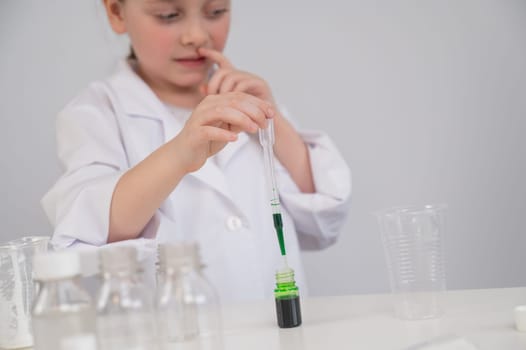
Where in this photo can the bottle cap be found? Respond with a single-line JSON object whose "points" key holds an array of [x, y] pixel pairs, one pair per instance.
{"points": [[180, 254], [118, 259], [79, 342], [56, 265]]}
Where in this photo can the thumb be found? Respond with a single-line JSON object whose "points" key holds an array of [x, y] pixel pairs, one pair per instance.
{"points": [[203, 89]]}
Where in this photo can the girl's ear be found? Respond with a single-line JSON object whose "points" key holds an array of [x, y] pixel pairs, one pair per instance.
{"points": [[114, 10]]}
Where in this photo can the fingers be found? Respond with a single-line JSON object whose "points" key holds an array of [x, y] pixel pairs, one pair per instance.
{"points": [[247, 86], [212, 133], [215, 82], [263, 105], [224, 81], [228, 79], [235, 117], [217, 57], [244, 112], [229, 82]]}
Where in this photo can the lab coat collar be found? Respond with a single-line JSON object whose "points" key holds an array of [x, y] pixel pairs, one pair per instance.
{"points": [[135, 96], [138, 100]]}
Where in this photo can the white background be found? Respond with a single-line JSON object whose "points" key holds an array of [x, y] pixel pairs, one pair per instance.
{"points": [[426, 100]]}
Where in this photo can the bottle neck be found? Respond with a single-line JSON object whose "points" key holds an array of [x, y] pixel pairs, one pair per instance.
{"points": [[285, 284], [112, 282], [64, 295], [120, 275], [179, 269], [58, 284], [180, 265]]}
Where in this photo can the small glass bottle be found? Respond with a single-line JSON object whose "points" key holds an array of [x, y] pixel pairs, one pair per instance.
{"points": [[287, 298], [62, 308], [125, 308], [188, 306]]}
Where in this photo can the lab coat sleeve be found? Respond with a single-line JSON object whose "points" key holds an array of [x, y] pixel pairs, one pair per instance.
{"points": [[318, 216], [91, 152]]}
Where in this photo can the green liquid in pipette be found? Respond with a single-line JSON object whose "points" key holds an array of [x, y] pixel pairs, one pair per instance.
{"points": [[278, 225]]}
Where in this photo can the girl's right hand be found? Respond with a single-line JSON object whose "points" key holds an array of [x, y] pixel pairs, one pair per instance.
{"points": [[214, 122]]}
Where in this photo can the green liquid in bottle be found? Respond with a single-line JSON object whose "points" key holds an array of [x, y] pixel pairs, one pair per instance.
{"points": [[287, 299]]}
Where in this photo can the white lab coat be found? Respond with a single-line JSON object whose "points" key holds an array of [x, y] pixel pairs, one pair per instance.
{"points": [[224, 206]]}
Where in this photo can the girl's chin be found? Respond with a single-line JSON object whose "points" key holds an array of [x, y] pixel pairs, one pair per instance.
{"points": [[189, 80], [189, 87]]}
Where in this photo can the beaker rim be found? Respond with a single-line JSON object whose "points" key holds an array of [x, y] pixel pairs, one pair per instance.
{"points": [[411, 209], [23, 242]]}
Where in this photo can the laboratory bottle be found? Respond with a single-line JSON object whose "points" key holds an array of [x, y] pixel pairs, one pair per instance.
{"points": [[287, 299], [188, 305], [125, 305], [62, 308]]}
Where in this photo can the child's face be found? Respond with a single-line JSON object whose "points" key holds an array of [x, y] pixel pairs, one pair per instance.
{"points": [[165, 36]]}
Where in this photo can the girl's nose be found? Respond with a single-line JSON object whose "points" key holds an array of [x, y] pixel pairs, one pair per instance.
{"points": [[195, 34]]}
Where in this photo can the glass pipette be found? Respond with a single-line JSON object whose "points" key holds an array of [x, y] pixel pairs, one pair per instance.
{"points": [[286, 293], [266, 139]]}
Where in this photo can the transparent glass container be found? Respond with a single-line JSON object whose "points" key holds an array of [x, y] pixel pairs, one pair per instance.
{"points": [[17, 290], [188, 306], [125, 305], [412, 238], [62, 309], [287, 298]]}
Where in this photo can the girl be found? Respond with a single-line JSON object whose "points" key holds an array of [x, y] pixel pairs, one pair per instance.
{"points": [[165, 149]]}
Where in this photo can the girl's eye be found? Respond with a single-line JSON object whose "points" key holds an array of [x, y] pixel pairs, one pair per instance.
{"points": [[217, 13], [167, 17]]}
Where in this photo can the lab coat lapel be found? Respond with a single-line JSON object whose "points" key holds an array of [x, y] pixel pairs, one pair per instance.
{"points": [[227, 153], [138, 100]]}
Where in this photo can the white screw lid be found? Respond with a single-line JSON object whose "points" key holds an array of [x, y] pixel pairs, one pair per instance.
{"points": [[56, 265], [118, 259], [79, 342]]}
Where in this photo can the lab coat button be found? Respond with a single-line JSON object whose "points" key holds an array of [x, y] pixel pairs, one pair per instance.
{"points": [[233, 223]]}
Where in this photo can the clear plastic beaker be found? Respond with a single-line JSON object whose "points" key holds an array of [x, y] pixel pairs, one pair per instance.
{"points": [[413, 246], [17, 290]]}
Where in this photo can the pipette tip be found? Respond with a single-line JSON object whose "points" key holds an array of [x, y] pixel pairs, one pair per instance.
{"points": [[284, 268]]}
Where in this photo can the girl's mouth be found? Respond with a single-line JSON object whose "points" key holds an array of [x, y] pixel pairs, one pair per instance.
{"points": [[192, 62]]}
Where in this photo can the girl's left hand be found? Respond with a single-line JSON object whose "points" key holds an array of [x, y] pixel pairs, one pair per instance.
{"points": [[227, 78]]}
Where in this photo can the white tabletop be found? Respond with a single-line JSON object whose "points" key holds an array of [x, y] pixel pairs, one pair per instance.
{"points": [[480, 318], [483, 318]]}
